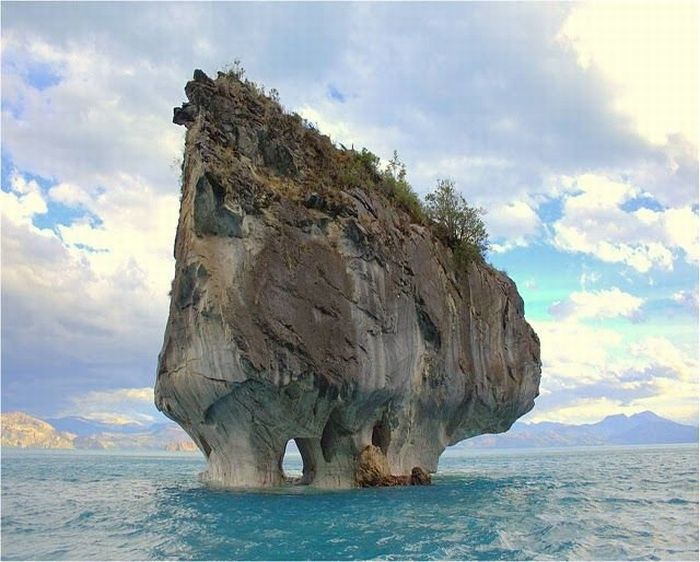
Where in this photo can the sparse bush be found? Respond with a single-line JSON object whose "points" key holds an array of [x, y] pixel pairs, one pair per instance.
{"points": [[359, 169], [368, 160], [460, 225], [362, 170], [235, 70], [310, 125], [396, 187]]}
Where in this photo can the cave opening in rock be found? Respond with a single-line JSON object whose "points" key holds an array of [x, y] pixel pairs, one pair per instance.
{"points": [[381, 436], [297, 464], [292, 464]]}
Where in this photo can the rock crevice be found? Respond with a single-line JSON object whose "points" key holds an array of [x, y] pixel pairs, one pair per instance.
{"points": [[307, 309]]}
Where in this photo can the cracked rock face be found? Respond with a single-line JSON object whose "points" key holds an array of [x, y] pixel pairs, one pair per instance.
{"points": [[306, 308]]}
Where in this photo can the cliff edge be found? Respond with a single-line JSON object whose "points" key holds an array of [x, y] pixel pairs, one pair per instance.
{"points": [[308, 304]]}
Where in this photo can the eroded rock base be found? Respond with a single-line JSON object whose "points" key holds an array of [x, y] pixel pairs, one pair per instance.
{"points": [[373, 470]]}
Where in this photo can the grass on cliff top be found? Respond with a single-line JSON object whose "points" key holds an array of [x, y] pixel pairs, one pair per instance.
{"points": [[361, 169], [445, 211]]}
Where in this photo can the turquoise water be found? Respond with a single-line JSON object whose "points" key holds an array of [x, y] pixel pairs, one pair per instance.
{"points": [[595, 503]]}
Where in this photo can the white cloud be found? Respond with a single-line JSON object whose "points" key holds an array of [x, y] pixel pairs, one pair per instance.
{"points": [[593, 410], [585, 410], [101, 116], [606, 303], [589, 278], [332, 121], [78, 304], [91, 293], [119, 406], [589, 373], [514, 223], [22, 200], [658, 353], [648, 50], [687, 298], [595, 222], [574, 354], [465, 168], [70, 195]]}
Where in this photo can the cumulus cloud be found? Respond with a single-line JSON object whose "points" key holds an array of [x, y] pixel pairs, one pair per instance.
{"points": [[85, 303], [606, 303], [575, 354], [648, 51], [589, 373], [595, 222], [515, 224], [22, 200], [589, 278], [110, 116]]}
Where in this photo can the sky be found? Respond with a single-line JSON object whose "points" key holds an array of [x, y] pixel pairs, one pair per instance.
{"points": [[574, 125]]}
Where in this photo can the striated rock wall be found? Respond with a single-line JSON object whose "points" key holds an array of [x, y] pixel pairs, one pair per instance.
{"points": [[306, 306]]}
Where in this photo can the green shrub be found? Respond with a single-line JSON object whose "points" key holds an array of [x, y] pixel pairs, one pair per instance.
{"points": [[460, 225], [360, 169]]}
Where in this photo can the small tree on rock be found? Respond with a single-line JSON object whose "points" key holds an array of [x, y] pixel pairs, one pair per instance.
{"points": [[460, 225]]}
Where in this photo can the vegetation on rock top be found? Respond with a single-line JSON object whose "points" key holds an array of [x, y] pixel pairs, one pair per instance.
{"points": [[459, 225]]}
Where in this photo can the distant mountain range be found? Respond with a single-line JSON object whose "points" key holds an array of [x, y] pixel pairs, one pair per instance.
{"points": [[22, 430], [642, 428], [85, 428]]}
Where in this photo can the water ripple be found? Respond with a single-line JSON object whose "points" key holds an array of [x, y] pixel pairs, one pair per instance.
{"points": [[627, 503]]}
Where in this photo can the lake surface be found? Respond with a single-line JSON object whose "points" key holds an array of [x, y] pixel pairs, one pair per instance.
{"points": [[586, 503]]}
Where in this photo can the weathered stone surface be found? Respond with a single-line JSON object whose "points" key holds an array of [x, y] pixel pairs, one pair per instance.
{"points": [[304, 311], [373, 470]]}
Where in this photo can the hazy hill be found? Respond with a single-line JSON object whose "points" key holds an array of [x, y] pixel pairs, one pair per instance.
{"points": [[642, 428], [84, 427], [157, 436], [22, 430]]}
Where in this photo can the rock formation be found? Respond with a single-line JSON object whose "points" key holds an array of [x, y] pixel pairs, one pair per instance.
{"points": [[308, 304]]}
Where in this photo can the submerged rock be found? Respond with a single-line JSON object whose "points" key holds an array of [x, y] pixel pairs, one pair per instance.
{"points": [[307, 305], [373, 470]]}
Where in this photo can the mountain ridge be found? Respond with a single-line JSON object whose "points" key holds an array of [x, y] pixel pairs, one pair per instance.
{"points": [[641, 428], [22, 430], [617, 429]]}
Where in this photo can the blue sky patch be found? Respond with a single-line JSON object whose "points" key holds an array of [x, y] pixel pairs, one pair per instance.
{"points": [[41, 76], [551, 210], [60, 214], [641, 202], [335, 94]]}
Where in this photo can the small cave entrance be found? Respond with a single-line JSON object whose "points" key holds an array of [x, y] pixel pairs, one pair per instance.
{"points": [[292, 465], [297, 462], [381, 436]]}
